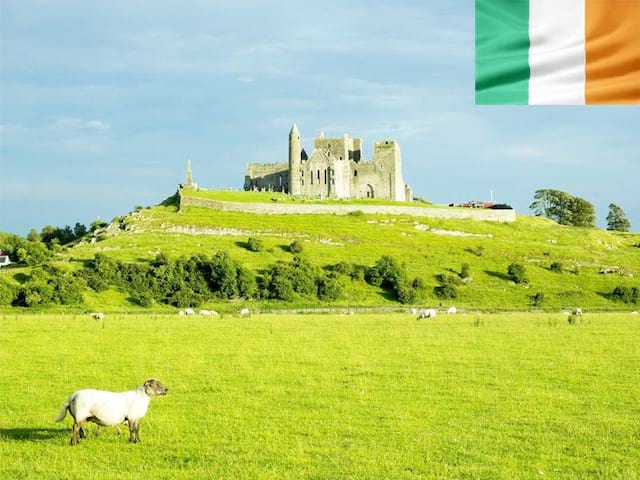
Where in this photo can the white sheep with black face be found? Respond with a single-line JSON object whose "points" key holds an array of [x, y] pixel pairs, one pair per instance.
{"points": [[110, 408]]}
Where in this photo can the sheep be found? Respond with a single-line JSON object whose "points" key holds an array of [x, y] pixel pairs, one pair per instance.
{"points": [[577, 311], [110, 408], [245, 311], [204, 312], [181, 312], [452, 311], [97, 315], [189, 311], [427, 313]]}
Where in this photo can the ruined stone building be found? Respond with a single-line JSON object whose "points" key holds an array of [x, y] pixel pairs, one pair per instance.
{"points": [[335, 169]]}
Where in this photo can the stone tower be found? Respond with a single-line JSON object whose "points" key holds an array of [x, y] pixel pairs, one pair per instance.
{"points": [[189, 180], [294, 161]]}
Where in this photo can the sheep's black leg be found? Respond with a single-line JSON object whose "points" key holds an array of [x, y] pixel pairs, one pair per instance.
{"points": [[133, 431], [75, 433]]}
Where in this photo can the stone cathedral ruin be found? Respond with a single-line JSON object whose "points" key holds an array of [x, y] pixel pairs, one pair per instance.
{"points": [[335, 169]]}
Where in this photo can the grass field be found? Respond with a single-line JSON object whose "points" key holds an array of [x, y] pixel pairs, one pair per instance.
{"points": [[509, 396], [270, 197], [427, 247]]}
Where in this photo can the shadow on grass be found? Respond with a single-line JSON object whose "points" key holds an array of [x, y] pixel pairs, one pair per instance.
{"points": [[21, 278], [500, 275], [33, 434], [388, 295], [244, 245]]}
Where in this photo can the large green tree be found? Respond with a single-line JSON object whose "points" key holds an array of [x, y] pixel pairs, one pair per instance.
{"points": [[563, 208], [617, 220]]}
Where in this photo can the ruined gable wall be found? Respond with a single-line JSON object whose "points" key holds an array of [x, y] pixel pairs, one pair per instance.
{"points": [[270, 177]]}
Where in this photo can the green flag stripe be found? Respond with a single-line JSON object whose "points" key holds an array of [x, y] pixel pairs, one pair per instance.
{"points": [[502, 52]]}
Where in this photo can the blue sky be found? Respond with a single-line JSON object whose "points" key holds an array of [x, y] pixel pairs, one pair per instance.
{"points": [[102, 103]]}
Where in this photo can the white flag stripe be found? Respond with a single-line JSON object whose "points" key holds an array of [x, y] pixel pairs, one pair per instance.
{"points": [[557, 52]]}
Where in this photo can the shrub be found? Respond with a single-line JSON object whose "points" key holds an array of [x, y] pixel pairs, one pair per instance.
{"points": [[386, 273], [537, 299], [406, 293], [329, 288], [556, 267], [448, 280], [303, 276], [356, 213], [342, 268], [7, 294], [246, 282], [418, 284], [185, 297], [255, 244], [446, 291], [276, 283], [465, 271], [625, 294], [517, 273], [296, 247], [478, 251], [143, 299]]}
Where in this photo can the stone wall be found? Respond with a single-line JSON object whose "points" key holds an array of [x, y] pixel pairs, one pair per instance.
{"points": [[323, 209]]}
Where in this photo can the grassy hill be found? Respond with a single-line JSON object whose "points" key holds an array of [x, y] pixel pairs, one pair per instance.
{"points": [[426, 247]]}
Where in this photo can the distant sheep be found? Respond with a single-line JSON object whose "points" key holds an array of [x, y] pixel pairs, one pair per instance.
{"points": [[635, 312], [577, 311], [97, 315], [189, 311], [452, 311], [204, 312], [110, 408], [244, 311], [427, 313], [181, 312]]}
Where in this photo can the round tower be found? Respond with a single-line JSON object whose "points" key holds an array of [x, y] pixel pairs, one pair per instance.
{"points": [[295, 187]]}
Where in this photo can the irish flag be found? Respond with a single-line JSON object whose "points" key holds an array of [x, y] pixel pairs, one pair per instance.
{"points": [[563, 52]]}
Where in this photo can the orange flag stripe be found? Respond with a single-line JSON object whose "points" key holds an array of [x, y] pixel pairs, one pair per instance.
{"points": [[612, 31]]}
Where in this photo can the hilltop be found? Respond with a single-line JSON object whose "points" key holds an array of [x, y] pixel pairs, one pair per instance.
{"points": [[566, 266]]}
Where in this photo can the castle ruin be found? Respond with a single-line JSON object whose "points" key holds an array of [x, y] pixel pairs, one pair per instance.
{"points": [[335, 169]]}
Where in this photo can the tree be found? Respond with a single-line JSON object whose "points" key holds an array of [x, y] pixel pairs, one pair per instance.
{"points": [[617, 220], [79, 230], [563, 208], [33, 236]]}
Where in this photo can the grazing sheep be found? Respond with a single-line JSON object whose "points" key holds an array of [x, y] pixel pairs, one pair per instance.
{"points": [[189, 311], [635, 312], [427, 313], [110, 408], [181, 312], [204, 312], [245, 311], [577, 311], [452, 311], [97, 315], [414, 311]]}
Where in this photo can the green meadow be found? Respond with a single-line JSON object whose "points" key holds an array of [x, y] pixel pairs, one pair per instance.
{"points": [[491, 396]]}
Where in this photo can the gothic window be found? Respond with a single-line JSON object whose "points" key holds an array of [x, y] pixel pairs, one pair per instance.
{"points": [[318, 175], [325, 176], [355, 173]]}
